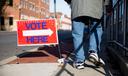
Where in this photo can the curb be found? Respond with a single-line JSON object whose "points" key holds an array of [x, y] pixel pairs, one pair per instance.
{"points": [[5, 61]]}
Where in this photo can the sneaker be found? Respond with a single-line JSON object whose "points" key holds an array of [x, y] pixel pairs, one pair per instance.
{"points": [[79, 65], [93, 57], [100, 63]]}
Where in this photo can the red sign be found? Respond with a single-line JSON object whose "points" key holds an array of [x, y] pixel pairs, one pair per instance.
{"points": [[37, 32]]}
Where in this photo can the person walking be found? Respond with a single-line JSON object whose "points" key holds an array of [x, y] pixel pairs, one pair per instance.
{"points": [[84, 15]]}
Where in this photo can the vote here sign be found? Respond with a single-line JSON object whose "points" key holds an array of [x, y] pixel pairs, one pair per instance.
{"points": [[37, 32]]}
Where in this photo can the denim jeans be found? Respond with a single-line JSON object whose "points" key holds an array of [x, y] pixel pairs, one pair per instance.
{"points": [[78, 33]]}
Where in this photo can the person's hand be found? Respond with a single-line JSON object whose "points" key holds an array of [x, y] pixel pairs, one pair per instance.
{"points": [[68, 1], [109, 10]]}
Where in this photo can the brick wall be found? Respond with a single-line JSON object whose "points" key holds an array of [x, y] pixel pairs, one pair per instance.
{"points": [[23, 9]]}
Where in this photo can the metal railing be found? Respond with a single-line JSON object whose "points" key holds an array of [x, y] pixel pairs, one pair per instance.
{"points": [[117, 26]]}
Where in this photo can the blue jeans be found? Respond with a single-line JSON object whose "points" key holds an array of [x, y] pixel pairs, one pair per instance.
{"points": [[78, 33]]}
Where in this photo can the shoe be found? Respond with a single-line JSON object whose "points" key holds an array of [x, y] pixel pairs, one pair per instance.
{"points": [[79, 65], [93, 57], [100, 63]]}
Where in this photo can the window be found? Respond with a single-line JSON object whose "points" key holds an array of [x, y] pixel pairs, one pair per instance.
{"points": [[114, 2], [45, 1], [10, 2], [126, 42], [2, 20], [10, 20]]}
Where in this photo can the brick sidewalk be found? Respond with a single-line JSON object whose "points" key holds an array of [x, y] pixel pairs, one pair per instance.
{"points": [[44, 54]]}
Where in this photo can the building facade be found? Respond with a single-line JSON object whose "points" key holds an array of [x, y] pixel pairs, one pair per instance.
{"points": [[63, 21], [13, 10]]}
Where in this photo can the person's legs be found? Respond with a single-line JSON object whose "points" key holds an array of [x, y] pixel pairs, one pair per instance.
{"points": [[78, 30], [93, 45], [78, 34], [92, 40]]}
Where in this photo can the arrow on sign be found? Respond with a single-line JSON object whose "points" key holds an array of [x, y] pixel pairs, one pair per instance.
{"points": [[48, 32]]}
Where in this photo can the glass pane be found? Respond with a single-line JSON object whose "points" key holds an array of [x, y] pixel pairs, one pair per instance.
{"points": [[10, 20]]}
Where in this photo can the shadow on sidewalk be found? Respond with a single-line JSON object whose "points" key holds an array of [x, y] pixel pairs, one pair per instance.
{"points": [[90, 69], [49, 53]]}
